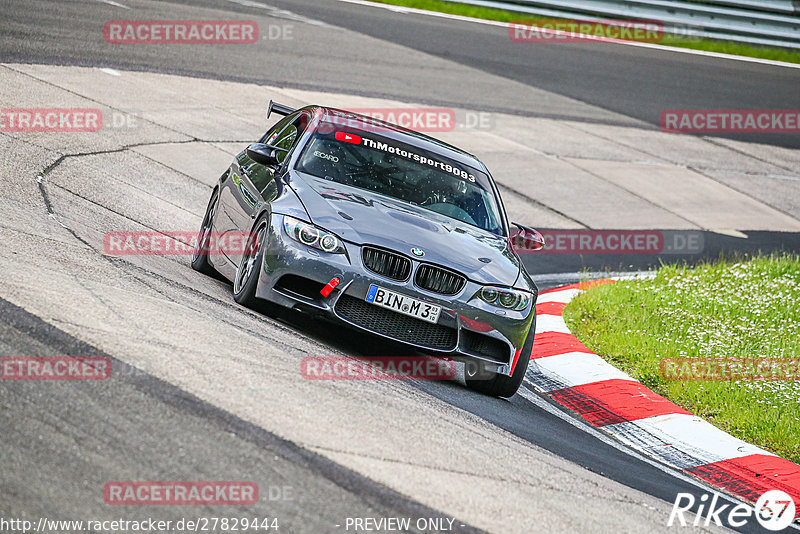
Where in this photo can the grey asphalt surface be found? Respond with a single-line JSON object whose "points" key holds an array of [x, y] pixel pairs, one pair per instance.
{"points": [[635, 84], [67, 439], [155, 314], [140, 426]]}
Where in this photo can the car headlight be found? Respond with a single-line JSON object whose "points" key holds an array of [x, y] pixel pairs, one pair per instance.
{"points": [[312, 236], [502, 297]]}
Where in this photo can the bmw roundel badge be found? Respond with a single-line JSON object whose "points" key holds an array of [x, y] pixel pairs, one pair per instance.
{"points": [[418, 252]]}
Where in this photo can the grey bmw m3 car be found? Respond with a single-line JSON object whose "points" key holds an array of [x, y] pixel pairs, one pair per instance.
{"points": [[383, 229]]}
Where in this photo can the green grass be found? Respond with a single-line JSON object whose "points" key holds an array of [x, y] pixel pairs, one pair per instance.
{"points": [[745, 309], [709, 45]]}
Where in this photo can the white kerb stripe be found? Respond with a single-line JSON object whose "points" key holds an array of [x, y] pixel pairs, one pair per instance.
{"points": [[563, 296], [579, 368], [687, 433], [551, 323]]}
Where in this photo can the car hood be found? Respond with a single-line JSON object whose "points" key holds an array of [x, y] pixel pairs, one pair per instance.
{"points": [[361, 217]]}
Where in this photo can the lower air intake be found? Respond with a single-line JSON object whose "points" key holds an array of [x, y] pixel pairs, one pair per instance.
{"points": [[395, 325]]}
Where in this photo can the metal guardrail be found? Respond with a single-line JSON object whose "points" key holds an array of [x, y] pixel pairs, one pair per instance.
{"points": [[771, 6], [760, 22]]}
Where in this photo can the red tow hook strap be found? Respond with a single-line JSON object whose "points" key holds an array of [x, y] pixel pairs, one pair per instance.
{"points": [[325, 291]]}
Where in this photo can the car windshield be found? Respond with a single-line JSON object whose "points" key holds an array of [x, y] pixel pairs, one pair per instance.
{"points": [[408, 173]]}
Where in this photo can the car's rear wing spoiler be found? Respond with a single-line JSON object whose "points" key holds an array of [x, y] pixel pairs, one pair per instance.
{"points": [[280, 109]]}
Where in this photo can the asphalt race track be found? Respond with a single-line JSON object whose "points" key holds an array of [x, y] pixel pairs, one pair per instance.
{"points": [[203, 389], [634, 84]]}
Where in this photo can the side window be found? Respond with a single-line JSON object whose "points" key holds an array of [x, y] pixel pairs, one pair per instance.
{"points": [[283, 135], [273, 132], [287, 137]]}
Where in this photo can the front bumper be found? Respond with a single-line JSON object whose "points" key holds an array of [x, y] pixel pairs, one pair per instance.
{"points": [[292, 275]]}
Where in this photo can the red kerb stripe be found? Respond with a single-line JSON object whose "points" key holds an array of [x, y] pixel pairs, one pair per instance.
{"points": [[614, 401], [751, 476], [553, 343], [551, 308]]}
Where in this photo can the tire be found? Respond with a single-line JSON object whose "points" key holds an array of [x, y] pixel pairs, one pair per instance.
{"points": [[497, 385], [200, 261], [247, 274]]}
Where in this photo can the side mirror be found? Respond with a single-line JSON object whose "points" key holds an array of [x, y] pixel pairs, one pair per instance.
{"points": [[525, 239], [263, 154]]}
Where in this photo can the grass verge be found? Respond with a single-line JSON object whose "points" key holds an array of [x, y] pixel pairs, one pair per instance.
{"points": [[708, 45], [744, 310]]}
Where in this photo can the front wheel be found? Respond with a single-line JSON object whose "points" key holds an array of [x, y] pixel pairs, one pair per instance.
{"points": [[246, 280], [497, 385]]}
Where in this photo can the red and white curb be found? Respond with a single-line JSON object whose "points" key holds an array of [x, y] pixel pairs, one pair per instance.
{"points": [[563, 369]]}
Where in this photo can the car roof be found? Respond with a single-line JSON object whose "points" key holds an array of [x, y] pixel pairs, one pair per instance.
{"points": [[398, 133]]}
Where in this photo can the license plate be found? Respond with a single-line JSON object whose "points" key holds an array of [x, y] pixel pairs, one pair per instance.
{"points": [[403, 304]]}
